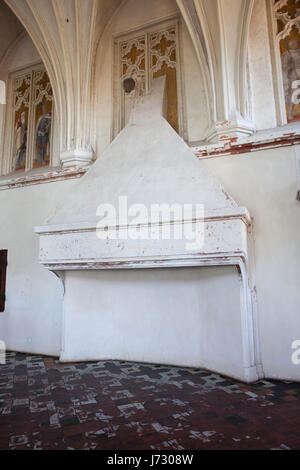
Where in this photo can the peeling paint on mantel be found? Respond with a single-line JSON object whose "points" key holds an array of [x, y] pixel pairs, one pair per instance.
{"points": [[257, 142], [48, 176], [274, 138]]}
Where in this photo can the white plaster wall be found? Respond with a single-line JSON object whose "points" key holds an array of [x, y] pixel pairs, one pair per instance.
{"points": [[32, 318], [265, 182], [186, 316], [132, 15]]}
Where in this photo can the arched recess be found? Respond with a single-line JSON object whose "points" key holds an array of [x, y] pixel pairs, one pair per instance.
{"points": [[142, 16], [106, 12], [196, 23], [220, 30], [24, 10], [64, 35]]}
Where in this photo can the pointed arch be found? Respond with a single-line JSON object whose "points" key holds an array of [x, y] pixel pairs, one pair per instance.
{"points": [[195, 20], [37, 29], [241, 65], [64, 35]]}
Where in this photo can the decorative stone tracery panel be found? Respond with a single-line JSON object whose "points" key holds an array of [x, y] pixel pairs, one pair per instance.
{"points": [[133, 65], [164, 62], [29, 119], [145, 56]]}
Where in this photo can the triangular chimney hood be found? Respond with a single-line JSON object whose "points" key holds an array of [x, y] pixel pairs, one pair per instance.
{"points": [[150, 164]]}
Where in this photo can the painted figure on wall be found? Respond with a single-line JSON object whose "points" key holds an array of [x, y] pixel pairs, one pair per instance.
{"points": [[43, 137], [291, 73], [286, 14], [21, 142]]}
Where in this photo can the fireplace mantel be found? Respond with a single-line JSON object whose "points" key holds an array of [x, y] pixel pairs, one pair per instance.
{"points": [[150, 164], [76, 246]]}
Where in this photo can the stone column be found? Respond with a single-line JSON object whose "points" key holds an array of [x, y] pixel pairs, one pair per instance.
{"points": [[231, 47]]}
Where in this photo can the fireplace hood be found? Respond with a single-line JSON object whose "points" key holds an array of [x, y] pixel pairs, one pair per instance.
{"points": [[149, 163]]}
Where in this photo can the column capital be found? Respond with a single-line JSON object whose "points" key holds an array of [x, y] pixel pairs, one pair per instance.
{"points": [[77, 157]]}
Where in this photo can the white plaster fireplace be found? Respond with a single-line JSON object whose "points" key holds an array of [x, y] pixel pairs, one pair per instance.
{"points": [[154, 300]]}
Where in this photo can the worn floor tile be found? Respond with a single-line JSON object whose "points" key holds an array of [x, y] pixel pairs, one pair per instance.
{"points": [[114, 405]]}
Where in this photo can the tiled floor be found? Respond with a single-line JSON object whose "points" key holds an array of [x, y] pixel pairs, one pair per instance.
{"points": [[125, 406]]}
